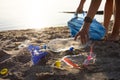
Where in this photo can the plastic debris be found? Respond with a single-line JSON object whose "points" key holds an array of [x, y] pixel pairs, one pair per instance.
{"points": [[90, 58], [70, 61], [24, 44], [58, 45], [71, 49], [4, 71], [57, 64], [44, 46], [36, 53], [76, 61]]}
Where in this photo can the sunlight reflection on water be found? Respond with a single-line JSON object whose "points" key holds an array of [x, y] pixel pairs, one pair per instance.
{"points": [[24, 14]]}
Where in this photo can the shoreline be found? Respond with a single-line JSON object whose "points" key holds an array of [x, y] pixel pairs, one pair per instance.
{"points": [[3, 30]]}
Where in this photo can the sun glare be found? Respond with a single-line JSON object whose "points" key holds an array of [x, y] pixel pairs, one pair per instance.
{"points": [[36, 13]]}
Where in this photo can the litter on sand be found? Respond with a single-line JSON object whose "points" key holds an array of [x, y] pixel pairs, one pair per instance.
{"points": [[59, 44], [4, 71], [76, 61], [36, 53]]}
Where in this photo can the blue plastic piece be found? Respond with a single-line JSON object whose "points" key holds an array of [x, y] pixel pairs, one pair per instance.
{"points": [[71, 49], [96, 31], [37, 55], [44, 46]]}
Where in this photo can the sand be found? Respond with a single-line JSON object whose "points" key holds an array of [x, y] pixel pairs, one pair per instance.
{"points": [[18, 61]]}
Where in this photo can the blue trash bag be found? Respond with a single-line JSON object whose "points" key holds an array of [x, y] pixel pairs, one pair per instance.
{"points": [[96, 31], [36, 54]]}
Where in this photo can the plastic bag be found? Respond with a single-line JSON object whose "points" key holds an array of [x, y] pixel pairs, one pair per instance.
{"points": [[36, 53], [96, 31]]}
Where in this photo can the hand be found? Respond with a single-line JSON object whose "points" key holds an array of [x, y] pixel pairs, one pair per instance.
{"points": [[83, 34]]}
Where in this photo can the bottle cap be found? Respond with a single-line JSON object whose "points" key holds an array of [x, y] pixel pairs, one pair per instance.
{"points": [[58, 64], [71, 48]]}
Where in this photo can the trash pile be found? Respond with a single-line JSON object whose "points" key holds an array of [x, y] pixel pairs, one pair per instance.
{"points": [[61, 45], [76, 61]]}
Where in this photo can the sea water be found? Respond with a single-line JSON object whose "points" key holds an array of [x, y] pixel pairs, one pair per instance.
{"points": [[30, 14]]}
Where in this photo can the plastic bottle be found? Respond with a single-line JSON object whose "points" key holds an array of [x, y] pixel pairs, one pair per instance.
{"points": [[58, 45]]}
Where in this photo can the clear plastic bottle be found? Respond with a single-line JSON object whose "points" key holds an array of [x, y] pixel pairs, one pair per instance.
{"points": [[58, 45]]}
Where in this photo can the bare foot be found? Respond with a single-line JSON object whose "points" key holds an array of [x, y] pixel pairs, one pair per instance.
{"points": [[113, 38]]}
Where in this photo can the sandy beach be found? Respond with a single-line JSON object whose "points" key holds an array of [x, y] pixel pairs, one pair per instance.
{"points": [[18, 60]]}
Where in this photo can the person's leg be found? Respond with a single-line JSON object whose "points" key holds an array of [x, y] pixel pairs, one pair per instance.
{"points": [[108, 10], [116, 25]]}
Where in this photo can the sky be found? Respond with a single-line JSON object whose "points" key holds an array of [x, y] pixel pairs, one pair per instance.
{"points": [[37, 12]]}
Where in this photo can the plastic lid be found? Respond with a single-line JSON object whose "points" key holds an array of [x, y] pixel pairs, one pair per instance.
{"points": [[4, 71]]}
